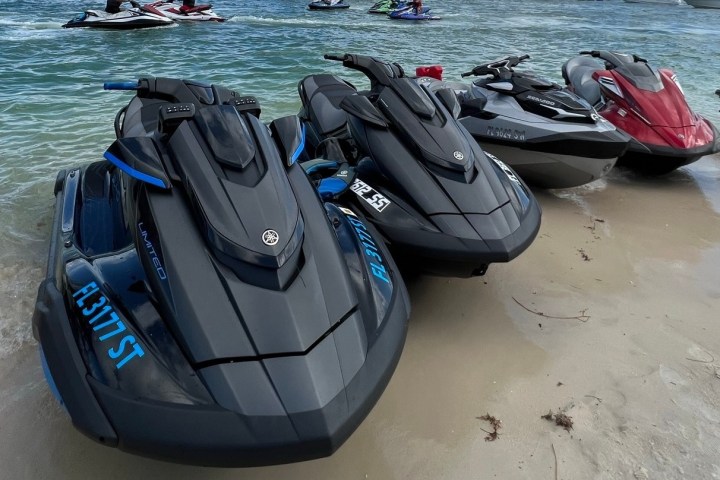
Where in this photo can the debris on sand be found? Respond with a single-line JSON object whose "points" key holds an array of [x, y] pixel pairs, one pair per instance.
{"points": [[494, 423], [584, 255], [559, 418]]}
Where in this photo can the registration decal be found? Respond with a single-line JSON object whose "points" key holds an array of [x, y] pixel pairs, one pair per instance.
{"points": [[374, 198]]}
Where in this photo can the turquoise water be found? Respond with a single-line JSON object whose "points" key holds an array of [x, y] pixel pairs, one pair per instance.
{"points": [[54, 113]]}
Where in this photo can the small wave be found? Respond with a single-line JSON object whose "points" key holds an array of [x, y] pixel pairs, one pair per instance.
{"points": [[299, 21], [32, 25], [18, 282]]}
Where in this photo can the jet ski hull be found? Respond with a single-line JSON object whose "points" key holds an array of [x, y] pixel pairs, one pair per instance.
{"points": [[125, 20], [549, 159], [324, 6], [647, 104], [437, 220], [135, 371]]}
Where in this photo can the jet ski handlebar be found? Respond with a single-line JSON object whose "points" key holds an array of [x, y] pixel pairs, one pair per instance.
{"points": [[613, 59], [130, 85], [377, 71], [497, 68]]}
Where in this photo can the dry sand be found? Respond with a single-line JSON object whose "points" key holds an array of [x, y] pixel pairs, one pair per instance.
{"points": [[633, 265]]}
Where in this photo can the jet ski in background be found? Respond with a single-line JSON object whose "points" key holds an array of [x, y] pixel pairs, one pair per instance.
{"points": [[328, 5], [202, 305], [407, 12], [181, 14], [442, 204], [386, 6], [551, 137], [646, 103], [127, 18]]}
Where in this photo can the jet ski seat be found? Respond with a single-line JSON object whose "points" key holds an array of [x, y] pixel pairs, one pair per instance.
{"points": [[324, 93], [578, 73]]}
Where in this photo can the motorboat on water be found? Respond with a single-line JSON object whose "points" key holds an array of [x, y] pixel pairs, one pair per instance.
{"points": [[444, 206], [328, 5], [182, 14], [704, 3], [202, 305], [648, 104], [127, 18], [551, 137]]}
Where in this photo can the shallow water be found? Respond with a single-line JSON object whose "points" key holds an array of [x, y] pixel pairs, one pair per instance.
{"points": [[54, 113]]}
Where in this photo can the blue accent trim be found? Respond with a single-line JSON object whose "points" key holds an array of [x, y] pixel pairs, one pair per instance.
{"points": [[131, 85], [317, 166], [329, 187], [49, 379], [143, 177], [300, 148]]}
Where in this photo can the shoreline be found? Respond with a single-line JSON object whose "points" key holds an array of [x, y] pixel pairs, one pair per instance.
{"points": [[629, 264]]}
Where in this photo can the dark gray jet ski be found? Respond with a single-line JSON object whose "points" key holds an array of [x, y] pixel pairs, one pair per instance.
{"points": [[417, 174], [202, 305], [551, 137]]}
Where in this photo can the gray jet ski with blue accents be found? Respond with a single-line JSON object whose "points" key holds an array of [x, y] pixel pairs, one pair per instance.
{"points": [[202, 305]]}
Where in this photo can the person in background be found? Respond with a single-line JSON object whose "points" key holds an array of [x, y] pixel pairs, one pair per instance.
{"points": [[187, 5], [417, 6], [113, 6]]}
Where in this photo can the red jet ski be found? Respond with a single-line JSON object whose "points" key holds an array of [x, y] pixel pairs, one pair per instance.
{"points": [[646, 103]]}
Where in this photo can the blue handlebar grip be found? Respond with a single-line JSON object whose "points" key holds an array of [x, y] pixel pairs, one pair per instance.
{"points": [[131, 85]]}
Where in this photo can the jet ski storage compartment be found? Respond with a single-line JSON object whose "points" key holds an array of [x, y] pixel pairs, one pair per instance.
{"points": [[240, 194]]}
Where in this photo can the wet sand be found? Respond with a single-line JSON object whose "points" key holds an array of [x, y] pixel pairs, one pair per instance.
{"points": [[611, 317]]}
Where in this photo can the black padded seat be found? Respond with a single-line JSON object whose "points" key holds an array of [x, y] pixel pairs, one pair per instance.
{"points": [[323, 93]]}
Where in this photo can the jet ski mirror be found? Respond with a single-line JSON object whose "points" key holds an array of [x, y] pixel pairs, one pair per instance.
{"points": [[361, 107], [139, 158], [289, 137], [448, 98]]}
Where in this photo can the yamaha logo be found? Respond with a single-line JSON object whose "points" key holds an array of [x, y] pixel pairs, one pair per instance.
{"points": [[270, 237], [458, 155]]}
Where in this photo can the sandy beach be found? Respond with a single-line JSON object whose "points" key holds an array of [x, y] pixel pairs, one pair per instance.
{"points": [[611, 318]]}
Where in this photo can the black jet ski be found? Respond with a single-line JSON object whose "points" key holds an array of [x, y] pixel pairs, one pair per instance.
{"points": [[445, 207], [136, 17], [202, 305], [551, 137]]}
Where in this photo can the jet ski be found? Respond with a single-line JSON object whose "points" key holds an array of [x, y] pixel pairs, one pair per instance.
{"points": [[386, 6], [181, 14], [646, 103], [443, 205], [551, 137], [328, 5], [202, 305], [136, 17], [407, 12]]}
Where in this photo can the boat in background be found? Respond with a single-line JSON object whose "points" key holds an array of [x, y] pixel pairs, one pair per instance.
{"points": [[703, 3]]}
